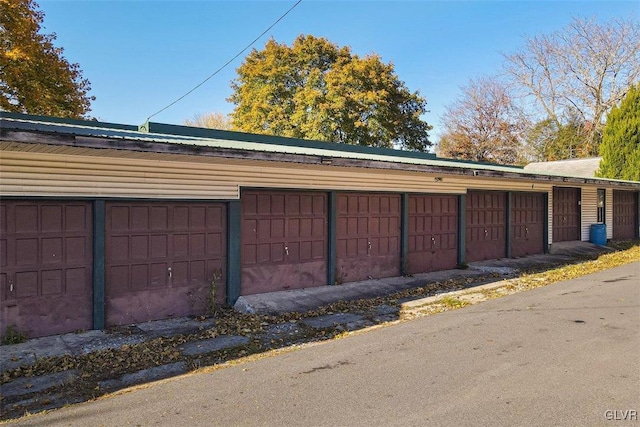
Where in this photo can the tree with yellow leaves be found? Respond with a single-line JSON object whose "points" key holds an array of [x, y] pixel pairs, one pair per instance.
{"points": [[35, 77], [315, 89]]}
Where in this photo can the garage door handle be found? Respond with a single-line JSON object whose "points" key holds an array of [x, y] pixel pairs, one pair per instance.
{"points": [[486, 233], [369, 248], [169, 271], [526, 230], [286, 250], [433, 241]]}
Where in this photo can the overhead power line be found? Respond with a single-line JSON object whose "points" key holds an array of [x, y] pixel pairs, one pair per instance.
{"points": [[226, 63]]}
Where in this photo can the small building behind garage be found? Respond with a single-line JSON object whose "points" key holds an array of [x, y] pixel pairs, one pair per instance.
{"points": [[104, 224]]}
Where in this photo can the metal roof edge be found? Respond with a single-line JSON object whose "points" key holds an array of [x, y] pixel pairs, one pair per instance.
{"points": [[66, 121], [180, 130], [156, 130]]}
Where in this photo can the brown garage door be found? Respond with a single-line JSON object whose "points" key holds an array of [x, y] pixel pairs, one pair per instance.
{"points": [[433, 233], [624, 214], [162, 258], [486, 235], [528, 211], [368, 236], [284, 240], [46, 266], [566, 214]]}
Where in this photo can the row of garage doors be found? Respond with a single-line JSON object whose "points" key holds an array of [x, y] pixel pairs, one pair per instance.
{"points": [[161, 259]]}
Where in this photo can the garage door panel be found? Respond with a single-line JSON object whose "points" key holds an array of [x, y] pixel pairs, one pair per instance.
{"points": [[180, 244], [76, 217], [368, 236], [76, 282], [284, 240], [197, 217], [293, 251], [264, 253], [139, 276], [527, 223], [485, 229], [433, 220], [180, 273], [26, 252], [3, 253], [46, 264], [162, 249], [51, 250], [3, 220], [159, 218], [139, 217], [180, 218], [158, 273], [215, 244], [624, 214], [26, 284], [249, 254], [51, 282], [119, 218], [51, 218], [566, 214], [4, 287], [277, 252], [306, 251], [26, 218], [76, 249]]}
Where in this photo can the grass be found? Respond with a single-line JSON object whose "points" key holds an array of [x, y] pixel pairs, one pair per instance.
{"points": [[13, 336], [626, 252], [453, 303]]}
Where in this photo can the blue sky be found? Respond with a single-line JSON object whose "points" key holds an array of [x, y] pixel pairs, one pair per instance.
{"points": [[142, 55]]}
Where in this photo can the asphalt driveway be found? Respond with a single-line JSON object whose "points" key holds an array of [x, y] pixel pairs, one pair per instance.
{"points": [[564, 354]]}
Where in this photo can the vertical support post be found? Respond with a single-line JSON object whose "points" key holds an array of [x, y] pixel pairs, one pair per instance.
{"points": [[404, 233], [637, 233], [462, 229], [234, 272], [580, 215], [332, 240], [507, 225], [545, 224], [99, 234]]}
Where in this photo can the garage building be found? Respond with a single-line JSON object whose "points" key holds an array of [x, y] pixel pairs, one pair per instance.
{"points": [[105, 224]]}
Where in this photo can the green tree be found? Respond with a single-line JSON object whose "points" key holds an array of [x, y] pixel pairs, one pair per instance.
{"points": [[314, 89], [571, 140], [35, 77], [620, 148]]}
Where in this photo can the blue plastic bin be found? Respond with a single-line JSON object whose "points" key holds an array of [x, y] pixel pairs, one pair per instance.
{"points": [[598, 234]]}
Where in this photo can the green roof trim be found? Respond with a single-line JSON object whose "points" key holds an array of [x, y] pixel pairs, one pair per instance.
{"points": [[66, 121], [107, 129], [179, 130]]}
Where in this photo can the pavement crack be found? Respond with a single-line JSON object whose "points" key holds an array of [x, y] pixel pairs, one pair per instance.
{"points": [[325, 367]]}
